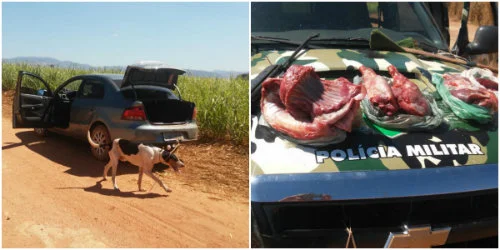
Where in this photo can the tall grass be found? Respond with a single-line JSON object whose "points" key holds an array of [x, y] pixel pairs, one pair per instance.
{"points": [[52, 75], [222, 104]]}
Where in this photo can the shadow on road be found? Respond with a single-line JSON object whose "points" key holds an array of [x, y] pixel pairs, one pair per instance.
{"points": [[12, 145], [72, 153], [97, 188]]}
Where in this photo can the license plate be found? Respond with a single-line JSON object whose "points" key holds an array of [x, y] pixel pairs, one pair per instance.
{"points": [[173, 136]]}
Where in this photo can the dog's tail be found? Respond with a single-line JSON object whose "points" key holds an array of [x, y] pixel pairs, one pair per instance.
{"points": [[95, 145]]}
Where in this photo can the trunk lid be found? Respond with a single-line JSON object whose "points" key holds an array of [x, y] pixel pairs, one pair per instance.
{"points": [[151, 73]]}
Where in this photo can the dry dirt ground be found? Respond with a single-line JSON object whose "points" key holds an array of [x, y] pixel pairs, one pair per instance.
{"points": [[479, 15], [490, 59], [53, 196]]}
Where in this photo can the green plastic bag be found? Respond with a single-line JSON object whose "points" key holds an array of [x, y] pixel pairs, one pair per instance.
{"points": [[459, 107], [405, 122]]}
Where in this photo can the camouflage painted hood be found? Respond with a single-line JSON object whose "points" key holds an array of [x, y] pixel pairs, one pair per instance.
{"points": [[342, 59], [455, 143]]}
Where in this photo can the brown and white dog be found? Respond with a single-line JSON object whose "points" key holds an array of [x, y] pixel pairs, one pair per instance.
{"points": [[144, 157]]}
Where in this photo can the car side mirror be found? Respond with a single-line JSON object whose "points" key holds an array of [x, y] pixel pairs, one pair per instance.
{"points": [[485, 41]]}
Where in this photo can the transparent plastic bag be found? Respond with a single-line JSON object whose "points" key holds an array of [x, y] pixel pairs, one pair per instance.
{"points": [[459, 107], [406, 122], [474, 73]]}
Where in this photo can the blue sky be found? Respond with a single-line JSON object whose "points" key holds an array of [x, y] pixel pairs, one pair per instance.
{"points": [[203, 35]]}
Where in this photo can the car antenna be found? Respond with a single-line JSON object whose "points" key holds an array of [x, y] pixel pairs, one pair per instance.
{"points": [[274, 71]]}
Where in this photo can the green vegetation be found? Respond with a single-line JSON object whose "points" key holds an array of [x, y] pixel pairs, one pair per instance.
{"points": [[372, 7], [222, 104], [53, 76]]}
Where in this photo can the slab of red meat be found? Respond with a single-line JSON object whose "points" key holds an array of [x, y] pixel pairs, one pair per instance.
{"points": [[463, 89], [409, 97], [378, 91], [303, 92], [307, 108], [279, 118], [487, 83]]}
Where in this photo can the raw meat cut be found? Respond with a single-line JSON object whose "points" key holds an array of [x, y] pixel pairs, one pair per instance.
{"points": [[465, 90], [378, 91], [409, 97], [280, 119], [482, 77], [487, 83], [304, 93], [305, 107]]}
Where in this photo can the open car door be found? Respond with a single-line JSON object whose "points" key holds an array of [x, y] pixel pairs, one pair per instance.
{"points": [[31, 102]]}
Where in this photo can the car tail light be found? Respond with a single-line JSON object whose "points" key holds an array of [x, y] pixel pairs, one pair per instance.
{"points": [[194, 113], [135, 113]]}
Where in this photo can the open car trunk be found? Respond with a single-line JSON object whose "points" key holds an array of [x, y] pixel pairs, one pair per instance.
{"points": [[168, 111], [161, 104], [152, 84]]}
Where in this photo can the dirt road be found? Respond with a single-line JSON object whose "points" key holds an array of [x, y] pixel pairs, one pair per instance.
{"points": [[54, 196], [490, 59]]}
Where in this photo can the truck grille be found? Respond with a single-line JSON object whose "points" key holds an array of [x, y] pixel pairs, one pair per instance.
{"points": [[314, 221]]}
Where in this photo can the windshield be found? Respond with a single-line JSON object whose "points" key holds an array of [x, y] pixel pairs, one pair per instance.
{"points": [[298, 20]]}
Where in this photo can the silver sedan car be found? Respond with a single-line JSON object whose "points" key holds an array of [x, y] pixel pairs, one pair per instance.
{"points": [[140, 106]]}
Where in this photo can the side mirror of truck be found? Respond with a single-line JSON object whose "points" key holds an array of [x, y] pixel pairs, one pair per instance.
{"points": [[485, 41]]}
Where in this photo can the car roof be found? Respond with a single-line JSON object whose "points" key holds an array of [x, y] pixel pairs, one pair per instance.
{"points": [[109, 76]]}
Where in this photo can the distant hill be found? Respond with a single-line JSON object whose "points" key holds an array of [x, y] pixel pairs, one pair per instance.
{"points": [[48, 61]]}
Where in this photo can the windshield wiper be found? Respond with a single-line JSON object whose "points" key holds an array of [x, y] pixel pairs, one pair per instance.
{"points": [[349, 39], [273, 70], [283, 41]]}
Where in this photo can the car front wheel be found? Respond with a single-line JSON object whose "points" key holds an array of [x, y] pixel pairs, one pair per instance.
{"points": [[101, 136]]}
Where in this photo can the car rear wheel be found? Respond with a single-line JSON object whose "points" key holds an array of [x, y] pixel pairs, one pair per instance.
{"points": [[100, 135], [42, 132]]}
